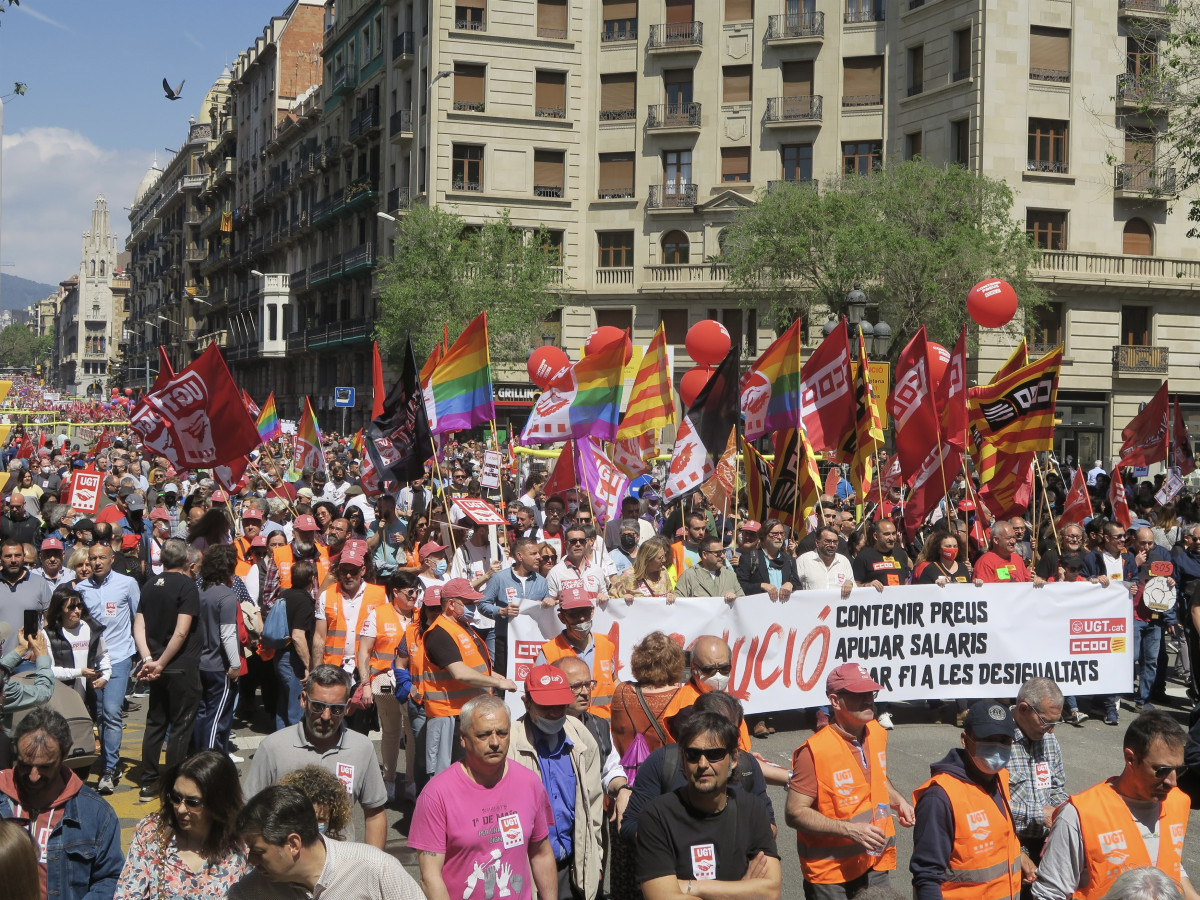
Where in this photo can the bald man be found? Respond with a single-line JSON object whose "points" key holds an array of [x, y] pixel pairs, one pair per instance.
{"points": [[710, 672]]}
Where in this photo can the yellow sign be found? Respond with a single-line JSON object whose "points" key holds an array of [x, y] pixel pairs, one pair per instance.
{"points": [[880, 374]]}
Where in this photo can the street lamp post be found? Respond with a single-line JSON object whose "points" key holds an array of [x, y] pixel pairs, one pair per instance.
{"points": [[877, 338]]}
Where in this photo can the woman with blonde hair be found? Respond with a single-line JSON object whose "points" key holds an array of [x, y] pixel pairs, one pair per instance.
{"points": [[650, 575]]}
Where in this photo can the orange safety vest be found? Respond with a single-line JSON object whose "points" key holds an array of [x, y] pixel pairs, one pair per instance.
{"points": [[685, 697], [389, 631], [242, 545], [604, 669], [335, 619], [1112, 844], [985, 860], [847, 793], [416, 660], [285, 558], [445, 695]]}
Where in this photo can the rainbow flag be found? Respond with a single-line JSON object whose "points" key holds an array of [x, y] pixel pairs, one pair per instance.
{"points": [[308, 442], [650, 403], [356, 442], [584, 400], [770, 389], [460, 388], [268, 420]]}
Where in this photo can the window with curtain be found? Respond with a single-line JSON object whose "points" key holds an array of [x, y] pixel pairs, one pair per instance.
{"points": [[862, 81], [470, 15], [735, 164]]}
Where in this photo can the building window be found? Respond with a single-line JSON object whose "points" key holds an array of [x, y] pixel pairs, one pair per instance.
{"points": [[916, 70], [1044, 327], [960, 142], [862, 81], [551, 243], [675, 325], [1135, 326], [739, 10], [1049, 54], [1047, 227], [615, 318], [550, 95], [618, 96], [961, 43], [552, 19], [677, 88], [1137, 238], [467, 168], [470, 15], [615, 249], [272, 321], [735, 164], [912, 145], [861, 157], [616, 176], [1141, 56], [620, 21], [864, 11], [548, 168], [797, 162], [677, 171], [1047, 145], [735, 84], [675, 249], [469, 80]]}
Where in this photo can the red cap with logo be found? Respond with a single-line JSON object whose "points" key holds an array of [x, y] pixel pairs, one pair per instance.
{"points": [[305, 523], [460, 588], [547, 686], [250, 514], [574, 597], [851, 677], [52, 544], [354, 553]]}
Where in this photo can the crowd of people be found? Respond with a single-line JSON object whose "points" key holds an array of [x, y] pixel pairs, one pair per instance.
{"points": [[318, 614]]}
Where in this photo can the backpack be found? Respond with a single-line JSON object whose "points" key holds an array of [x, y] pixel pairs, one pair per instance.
{"points": [[67, 703], [275, 632]]}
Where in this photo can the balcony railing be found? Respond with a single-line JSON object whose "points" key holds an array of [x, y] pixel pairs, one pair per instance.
{"points": [[468, 105], [1140, 178], [1060, 75], [697, 272], [398, 198], [619, 30], [619, 193], [400, 123], [673, 115], [550, 112], [618, 115], [1133, 360], [676, 36], [466, 184], [795, 26], [1055, 166], [1099, 266], [614, 275], [344, 79], [403, 47], [554, 191], [470, 24], [360, 258], [220, 338], [1137, 90], [857, 14], [1141, 7], [793, 109], [365, 122], [672, 196], [346, 332], [862, 100]]}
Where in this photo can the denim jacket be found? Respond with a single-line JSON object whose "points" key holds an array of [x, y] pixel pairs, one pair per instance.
{"points": [[83, 858]]}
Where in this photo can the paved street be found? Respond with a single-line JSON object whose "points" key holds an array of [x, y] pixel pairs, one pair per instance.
{"points": [[1091, 752]]}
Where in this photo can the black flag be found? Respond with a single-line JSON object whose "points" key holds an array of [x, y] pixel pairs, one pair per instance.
{"points": [[401, 437], [704, 432]]}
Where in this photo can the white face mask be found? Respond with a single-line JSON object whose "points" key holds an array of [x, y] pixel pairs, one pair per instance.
{"points": [[991, 756], [549, 726], [582, 627], [717, 682]]}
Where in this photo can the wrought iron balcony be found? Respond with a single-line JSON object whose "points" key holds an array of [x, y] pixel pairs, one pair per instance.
{"points": [[554, 191], [1054, 166], [676, 36], [619, 193], [403, 47], [784, 110], [399, 198], [858, 14], [1140, 90], [619, 30], [1059, 75], [618, 115], [862, 100], [1134, 360], [1140, 179], [400, 124], [365, 122], [344, 80], [673, 115], [550, 112], [468, 105], [1139, 8], [672, 195], [795, 27]]}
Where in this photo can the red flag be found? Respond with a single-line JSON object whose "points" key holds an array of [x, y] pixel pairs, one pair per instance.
{"points": [[562, 479], [232, 477], [832, 480], [42, 439], [1145, 437], [952, 396], [827, 405], [251, 406], [26, 451], [102, 442], [165, 371], [1181, 445], [1116, 497], [912, 406], [198, 420], [1079, 502], [1008, 492], [378, 392]]}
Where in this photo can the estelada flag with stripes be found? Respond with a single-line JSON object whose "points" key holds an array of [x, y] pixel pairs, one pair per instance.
{"points": [[758, 481], [704, 431], [983, 455], [650, 403], [795, 480], [1016, 413]]}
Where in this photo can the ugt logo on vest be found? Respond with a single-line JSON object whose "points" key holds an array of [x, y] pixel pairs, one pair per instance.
{"points": [[977, 822], [1111, 842], [843, 781]]}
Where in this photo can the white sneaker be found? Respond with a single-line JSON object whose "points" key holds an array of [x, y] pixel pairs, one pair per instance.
{"points": [[885, 721], [233, 757]]}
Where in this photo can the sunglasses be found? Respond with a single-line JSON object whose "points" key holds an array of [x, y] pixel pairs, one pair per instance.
{"points": [[549, 559], [1161, 772], [580, 685], [709, 671], [190, 802], [712, 754], [337, 710], [70, 606], [574, 541]]}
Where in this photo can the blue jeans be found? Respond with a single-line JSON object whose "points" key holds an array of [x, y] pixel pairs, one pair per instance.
{"points": [[109, 700], [287, 703], [1147, 640]]}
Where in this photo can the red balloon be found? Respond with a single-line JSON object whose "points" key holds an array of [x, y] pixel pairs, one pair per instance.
{"points": [[939, 359], [128, 392], [543, 363], [115, 391], [604, 337], [992, 303], [692, 384], [707, 342]]}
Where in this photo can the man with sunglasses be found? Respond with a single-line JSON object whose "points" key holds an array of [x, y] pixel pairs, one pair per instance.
{"points": [[710, 668], [710, 577], [343, 608], [1138, 818], [706, 835], [575, 569], [322, 738]]}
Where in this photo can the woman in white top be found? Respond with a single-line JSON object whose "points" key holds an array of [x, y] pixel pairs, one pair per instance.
{"points": [[77, 649]]}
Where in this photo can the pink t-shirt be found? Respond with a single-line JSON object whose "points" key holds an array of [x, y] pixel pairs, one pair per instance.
{"points": [[485, 833]]}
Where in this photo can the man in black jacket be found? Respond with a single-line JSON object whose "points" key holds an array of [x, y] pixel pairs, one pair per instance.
{"points": [[770, 569]]}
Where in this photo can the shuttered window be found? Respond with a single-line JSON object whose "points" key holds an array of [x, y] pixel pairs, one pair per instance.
{"points": [[616, 175], [798, 78], [735, 163], [620, 20], [1137, 239], [739, 10], [620, 9], [1049, 54], [618, 95], [735, 84], [550, 94], [468, 85], [862, 83], [552, 19], [548, 173], [679, 11]]}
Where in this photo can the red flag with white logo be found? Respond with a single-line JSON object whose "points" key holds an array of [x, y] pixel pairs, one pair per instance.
{"points": [[1079, 502], [952, 396], [1145, 437], [827, 404], [1116, 498]]}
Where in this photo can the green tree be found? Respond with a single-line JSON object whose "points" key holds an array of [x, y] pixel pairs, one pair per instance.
{"points": [[22, 349], [444, 273], [916, 237]]}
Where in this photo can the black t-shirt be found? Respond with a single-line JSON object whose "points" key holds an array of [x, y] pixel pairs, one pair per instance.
{"points": [[442, 650], [674, 839], [871, 565], [164, 597], [933, 571], [300, 611]]}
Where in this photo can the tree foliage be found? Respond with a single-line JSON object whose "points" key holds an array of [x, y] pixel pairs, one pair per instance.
{"points": [[444, 273], [916, 237], [22, 349]]}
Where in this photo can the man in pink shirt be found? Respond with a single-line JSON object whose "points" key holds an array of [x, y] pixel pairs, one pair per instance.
{"points": [[1002, 564], [482, 826]]}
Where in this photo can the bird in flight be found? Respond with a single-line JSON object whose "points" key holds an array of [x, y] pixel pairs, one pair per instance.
{"points": [[172, 94]]}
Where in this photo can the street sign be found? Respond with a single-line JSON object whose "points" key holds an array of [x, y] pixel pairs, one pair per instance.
{"points": [[343, 397]]}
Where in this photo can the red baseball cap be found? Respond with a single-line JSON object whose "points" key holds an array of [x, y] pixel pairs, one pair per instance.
{"points": [[52, 544], [354, 553], [851, 677], [574, 597], [429, 548], [750, 525], [159, 513], [220, 496], [547, 686], [129, 541], [258, 541], [305, 523], [460, 588], [252, 514], [432, 595]]}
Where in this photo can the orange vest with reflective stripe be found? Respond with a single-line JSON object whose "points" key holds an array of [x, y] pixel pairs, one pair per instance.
{"points": [[985, 859], [846, 793], [604, 669], [685, 697], [335, 619], [242, 545], [1112, 844], [445, 695], [285, 558], [389, 631], [416, 660]]}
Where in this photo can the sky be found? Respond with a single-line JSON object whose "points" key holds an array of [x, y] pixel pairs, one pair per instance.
{"points": [[94, 115]]}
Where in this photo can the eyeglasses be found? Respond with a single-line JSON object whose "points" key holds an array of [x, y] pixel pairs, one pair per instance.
{"points": [[317, 708], [583, 521], [190, 802], [778, 534], [574, 541], [1048, 726], [1161, 772], [74, 605], [1114, 537], [712, 754], [578, 686], [709, 671], [549, 558]]}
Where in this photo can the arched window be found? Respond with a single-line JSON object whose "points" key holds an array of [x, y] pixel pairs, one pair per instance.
{"points": [[93, 268], [722, 236], [101, 268], [1138, 239], [675, 247]]}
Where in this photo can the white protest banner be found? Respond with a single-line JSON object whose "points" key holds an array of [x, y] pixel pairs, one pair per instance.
{"points": [[489, 477], [920, 642]]}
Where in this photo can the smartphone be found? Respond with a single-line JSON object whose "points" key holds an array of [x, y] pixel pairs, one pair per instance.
{"points": [[30, 625]]}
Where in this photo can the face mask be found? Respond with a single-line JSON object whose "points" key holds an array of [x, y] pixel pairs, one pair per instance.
{"points": [[549, 726], [950, 553], [512, 520], [46, 470], [716, 682], [322, 827], [582, 627], [440, 568], [628, 541], [991, 757]]}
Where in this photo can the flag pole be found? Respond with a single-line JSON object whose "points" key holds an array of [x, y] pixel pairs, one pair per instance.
{"points": [[437, 471], [263, 474], [1054, 528]]}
